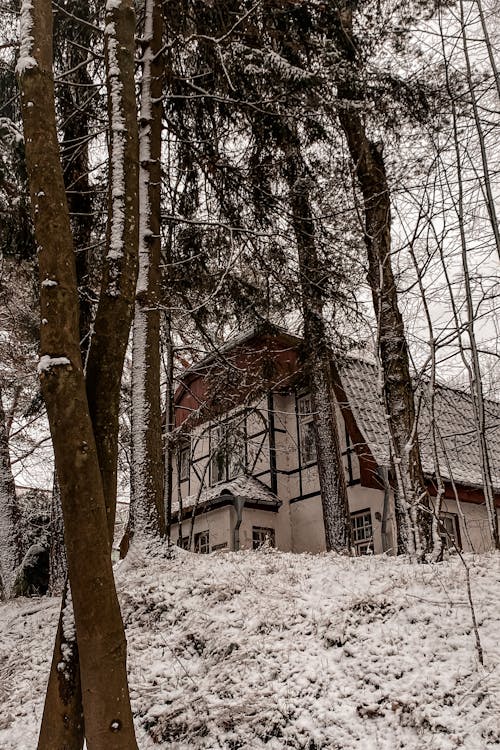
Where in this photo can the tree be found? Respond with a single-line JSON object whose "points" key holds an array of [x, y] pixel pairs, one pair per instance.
{"points": [[242, 102], [106, 704], [147, 471], [317, 353]]}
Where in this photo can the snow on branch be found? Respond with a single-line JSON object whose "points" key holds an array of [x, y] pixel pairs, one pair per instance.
{"points": [[46, 363], [26, 59]]}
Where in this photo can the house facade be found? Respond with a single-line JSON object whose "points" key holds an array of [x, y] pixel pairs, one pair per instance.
{"points": [[246, 470]]}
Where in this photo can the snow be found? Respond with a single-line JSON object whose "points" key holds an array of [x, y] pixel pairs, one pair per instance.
{"points": [[46, 362], [26, 60], [245, 486], [272, 650]]}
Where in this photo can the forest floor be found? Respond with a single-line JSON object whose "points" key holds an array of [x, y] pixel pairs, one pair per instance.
{"points": [[250, 650]]}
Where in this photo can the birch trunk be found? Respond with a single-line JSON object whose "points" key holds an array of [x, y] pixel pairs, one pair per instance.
{"points": [[98, 624], [10, 543], [146, 509], [116, 300], [317, 354]]}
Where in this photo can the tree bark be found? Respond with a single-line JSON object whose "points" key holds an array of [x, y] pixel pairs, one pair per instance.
{"points": [[317, 354], [58, 567], [99, 628], [146, 510]]}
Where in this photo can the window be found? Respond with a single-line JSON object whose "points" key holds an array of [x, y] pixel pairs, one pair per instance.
{"points": [[184, 461], [362, 532], [449, 531], [349, 450], [202, 543], [263, 536], [227, 448], [307, 437]]}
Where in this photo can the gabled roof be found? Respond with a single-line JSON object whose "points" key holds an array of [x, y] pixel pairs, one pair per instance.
{"points": [[457, 443], [456, 437]]}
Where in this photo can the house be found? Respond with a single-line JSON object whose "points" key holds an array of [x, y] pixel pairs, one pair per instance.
{"points": [[246, 469]]}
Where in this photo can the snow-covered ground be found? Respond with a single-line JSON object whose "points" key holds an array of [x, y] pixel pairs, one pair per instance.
{"points": [[271, 650]]}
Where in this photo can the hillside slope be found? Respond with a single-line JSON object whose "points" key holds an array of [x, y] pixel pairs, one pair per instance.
{"points": [[271, 650]]}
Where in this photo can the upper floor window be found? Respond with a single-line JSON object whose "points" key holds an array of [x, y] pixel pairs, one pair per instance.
{"points": [[184, 460], [307, 437], [227, 450]]}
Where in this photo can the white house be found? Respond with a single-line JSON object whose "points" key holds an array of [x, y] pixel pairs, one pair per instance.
{"points": [[246, 463]]}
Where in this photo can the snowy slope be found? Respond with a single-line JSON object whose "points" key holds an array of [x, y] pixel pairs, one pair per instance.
{"points": [[271, 650]]}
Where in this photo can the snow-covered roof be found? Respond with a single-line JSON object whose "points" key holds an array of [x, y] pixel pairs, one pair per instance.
{"points": [[244, 486], [457, 443]]}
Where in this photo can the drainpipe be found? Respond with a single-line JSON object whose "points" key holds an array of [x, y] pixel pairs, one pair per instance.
{"points": [[238, 502], [384, 474]]}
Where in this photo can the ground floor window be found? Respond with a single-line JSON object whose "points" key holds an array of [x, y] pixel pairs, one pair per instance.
{"points": [[449, 531], [362, 532], [202, 543], [262, 535]]}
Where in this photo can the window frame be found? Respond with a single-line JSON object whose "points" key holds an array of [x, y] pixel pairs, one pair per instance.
{"points": [[362, 545], [269, 535], [226, 431], [305, 422], [201, 542], [444, 533], [184, 466]]}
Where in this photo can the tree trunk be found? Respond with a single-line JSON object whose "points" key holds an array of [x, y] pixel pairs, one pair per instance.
{"points": [[413, 520], [10, 542], [116, 300], [169, 427], [99, 628], [146, 509], [76, 40], [317, 354], [61, 720], [58, 567]]}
